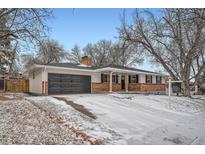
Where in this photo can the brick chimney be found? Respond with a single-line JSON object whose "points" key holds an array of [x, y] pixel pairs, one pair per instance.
{"points": [[86, 60]]}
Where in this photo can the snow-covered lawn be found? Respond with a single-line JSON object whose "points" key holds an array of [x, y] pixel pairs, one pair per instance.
{"points": [[118, 119], [73, 118], [139, 119], [24, 122]]}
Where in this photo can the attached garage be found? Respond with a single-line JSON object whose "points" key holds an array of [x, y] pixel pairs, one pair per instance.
{"points": [[68, 84]]}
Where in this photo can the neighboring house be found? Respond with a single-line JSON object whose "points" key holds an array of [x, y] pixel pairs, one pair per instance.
{"points": [[67, 78], [18, 75]]}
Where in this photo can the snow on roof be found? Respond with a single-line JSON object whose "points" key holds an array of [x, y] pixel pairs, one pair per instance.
{"points": [[95, 68]]}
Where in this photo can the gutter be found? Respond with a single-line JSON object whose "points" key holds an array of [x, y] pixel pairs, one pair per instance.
{"points": [[64, 68], [97, 70], [43, 80], [126, 71], [44, 85]]}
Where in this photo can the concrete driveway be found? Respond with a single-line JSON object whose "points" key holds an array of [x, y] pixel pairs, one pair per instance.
{"points": [[148, 119]]}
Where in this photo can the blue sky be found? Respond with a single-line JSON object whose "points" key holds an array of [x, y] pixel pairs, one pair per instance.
{"points": [[82, 26]]}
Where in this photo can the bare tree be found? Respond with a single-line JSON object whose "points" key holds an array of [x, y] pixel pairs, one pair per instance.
{"points": [[5, 48], [90, 50], [25, 25], [99, 52], [21, 29], [175, 39], [201, 84], [28, 60], [106, 52], [74, 55], [50, 51], [126, 54]]}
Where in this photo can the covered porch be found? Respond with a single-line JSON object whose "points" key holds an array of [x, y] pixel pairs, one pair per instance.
{"points": [[111, 82], [128, 82]]}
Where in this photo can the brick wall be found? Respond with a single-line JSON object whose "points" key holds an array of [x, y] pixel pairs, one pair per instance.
{"points": [[17, 85], [45, 93], [104, 87], [152, 87], [134, 87], [146, 87], [116, 87], [86, 61]]}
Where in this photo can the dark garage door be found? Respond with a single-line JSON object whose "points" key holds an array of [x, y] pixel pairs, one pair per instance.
{"points": [[68, 84]]}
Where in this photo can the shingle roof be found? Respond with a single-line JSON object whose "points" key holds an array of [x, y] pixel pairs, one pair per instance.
{"points": [[77, 65], [70, 65], [128, 68]]}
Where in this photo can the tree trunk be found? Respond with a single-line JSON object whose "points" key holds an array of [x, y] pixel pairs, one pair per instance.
{"points": [[186, 88]]}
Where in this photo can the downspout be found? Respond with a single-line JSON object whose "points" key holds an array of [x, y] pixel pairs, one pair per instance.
{"points": [[42, 81], [44, 88]]}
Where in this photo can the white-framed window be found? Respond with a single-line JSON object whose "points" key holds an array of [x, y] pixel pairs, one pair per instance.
{"points": [[133, 78], [106, 78], [158, 79], [148, 79]]}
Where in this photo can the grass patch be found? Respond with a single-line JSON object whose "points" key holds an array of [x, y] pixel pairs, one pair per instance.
{"points": [[78, 107]]}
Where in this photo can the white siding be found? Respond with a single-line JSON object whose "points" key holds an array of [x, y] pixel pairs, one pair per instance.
{"points": [[35, 84], [153, 79], [119, 78], [95, 77], [163, 80], [142, 78]]}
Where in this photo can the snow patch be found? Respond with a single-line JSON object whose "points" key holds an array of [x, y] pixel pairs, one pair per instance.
{"points": [[79, 121], [148, 119]]}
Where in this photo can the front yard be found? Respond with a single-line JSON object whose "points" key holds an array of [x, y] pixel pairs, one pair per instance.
{"points": [[107, 118], [148, 119], [25, 122]]}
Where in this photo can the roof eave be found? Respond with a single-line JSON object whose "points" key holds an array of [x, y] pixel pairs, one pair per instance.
{"points": [[57, 67], [126, 71], [95, 70]]}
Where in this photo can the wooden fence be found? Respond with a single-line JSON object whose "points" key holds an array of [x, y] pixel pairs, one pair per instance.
{"points": [[1, 85], [17, 85]]}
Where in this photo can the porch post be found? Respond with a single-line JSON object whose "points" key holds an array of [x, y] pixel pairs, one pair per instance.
{"points": [[5, 85], [126, 82], [110, 86], [169, 86], [196, 89]]}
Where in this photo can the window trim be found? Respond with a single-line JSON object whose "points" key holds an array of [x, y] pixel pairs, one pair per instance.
{"points": [[160, 81], [115, 78], [147, 78], [136, 78]]}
